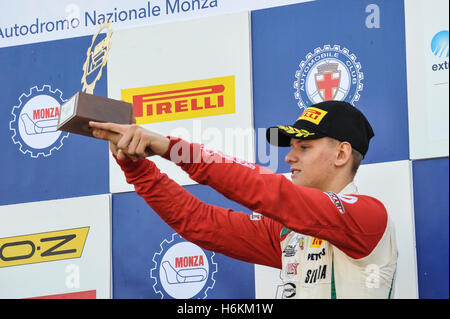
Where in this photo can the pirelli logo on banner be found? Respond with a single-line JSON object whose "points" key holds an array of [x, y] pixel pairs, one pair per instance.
{"points": [[42, 247], [185, 100]]}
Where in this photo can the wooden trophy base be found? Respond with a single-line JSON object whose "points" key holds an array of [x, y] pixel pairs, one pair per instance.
{"points": [[75, 114]]}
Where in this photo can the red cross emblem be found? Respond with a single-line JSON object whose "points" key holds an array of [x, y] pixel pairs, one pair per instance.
{"points": [[327, 80]]}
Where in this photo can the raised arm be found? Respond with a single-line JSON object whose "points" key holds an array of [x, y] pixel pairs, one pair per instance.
{"points": [[211, 227], [353, 224]]}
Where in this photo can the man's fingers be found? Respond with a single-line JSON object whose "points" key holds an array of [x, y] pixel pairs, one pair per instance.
{"points": [[127, 137], [117, 128], [133, 144], [106, 135], [133, 140], [143, 150], [121, 155]]}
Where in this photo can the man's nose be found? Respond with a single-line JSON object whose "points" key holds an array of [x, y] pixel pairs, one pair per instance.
{"points": [[290, 158]]}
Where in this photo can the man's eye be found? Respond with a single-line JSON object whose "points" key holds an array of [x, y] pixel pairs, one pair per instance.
{"points": [[303, 147]]}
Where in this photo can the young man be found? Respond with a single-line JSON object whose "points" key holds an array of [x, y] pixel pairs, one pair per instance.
{"points": [[327, 240]]}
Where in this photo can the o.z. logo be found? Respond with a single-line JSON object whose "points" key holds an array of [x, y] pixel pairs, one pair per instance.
{"points": [[42, 247]]}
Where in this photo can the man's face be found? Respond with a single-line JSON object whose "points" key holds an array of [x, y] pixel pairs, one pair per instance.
{"points": [[312, 162]]}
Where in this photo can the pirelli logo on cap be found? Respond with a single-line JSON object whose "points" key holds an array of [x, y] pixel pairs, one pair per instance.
{"points": [[313, 115], [185, 100]]}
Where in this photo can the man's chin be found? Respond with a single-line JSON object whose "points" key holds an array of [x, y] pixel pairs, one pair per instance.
{"points": [[300, 182]]}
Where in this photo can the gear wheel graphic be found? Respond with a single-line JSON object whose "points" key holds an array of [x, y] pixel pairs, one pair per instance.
{"points": [[158, 258], [15, 122], [313, 59]]}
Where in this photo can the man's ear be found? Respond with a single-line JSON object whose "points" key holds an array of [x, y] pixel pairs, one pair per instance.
{"points": [[344, 154]]}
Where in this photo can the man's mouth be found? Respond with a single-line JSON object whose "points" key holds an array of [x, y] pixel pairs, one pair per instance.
{"points": [[294, 171]]}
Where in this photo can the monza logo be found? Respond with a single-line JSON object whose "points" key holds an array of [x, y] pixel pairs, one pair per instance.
{"points": [[182, 270], [328, 73], [34, 122], [42, 247], [185, 100]]}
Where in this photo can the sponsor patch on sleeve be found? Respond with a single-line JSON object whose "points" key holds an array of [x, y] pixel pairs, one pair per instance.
{"points": [[336, 201]]}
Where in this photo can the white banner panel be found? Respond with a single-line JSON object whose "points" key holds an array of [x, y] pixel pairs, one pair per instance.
{"points": [[391, 183], [59, 248], [28, 21], [427, 48], [190, 79]]}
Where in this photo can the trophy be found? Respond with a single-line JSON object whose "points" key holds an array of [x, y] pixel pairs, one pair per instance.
{"points": [[84, 106]]}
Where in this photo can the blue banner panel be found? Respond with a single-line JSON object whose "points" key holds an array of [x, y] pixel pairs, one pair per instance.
{"points": [[431, 209], [150, 260], [38, 161], [348, 50]]}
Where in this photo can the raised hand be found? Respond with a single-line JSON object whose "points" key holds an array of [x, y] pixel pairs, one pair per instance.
{"points": [[130, 140]]}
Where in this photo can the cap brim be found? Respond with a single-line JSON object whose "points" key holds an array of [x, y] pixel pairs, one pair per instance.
{"points": [[281, 135]]}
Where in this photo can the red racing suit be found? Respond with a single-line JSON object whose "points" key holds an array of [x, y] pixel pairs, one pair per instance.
{"points": [[343, 235]]}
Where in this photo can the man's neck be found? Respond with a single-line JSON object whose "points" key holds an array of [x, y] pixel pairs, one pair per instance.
{"points": [[337, 185]]}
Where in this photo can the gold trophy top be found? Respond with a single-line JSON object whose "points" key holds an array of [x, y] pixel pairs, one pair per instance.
{"points": [[96, 57]]}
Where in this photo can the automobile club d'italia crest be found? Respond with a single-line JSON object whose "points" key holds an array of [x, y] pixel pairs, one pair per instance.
{"points": [[328, 73]]}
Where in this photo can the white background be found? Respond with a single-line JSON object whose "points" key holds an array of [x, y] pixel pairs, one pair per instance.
{"points": [[25, 12], [49, 278], [428, 103]]}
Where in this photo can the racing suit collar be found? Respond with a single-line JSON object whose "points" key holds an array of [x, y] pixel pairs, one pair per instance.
{"points": [[350, 189]]}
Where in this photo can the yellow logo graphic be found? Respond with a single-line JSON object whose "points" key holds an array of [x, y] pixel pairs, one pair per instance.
{"points": [[296, 131], [37, 248], [96, 58], [185, 100], [312, 114], [316, 242]]}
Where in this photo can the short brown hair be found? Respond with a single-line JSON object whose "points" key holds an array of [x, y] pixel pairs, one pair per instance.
{"points": [[356, 155], [357, 159]]}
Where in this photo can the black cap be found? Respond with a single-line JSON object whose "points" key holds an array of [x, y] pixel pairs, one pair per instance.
{"points": [[336, 119]]}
